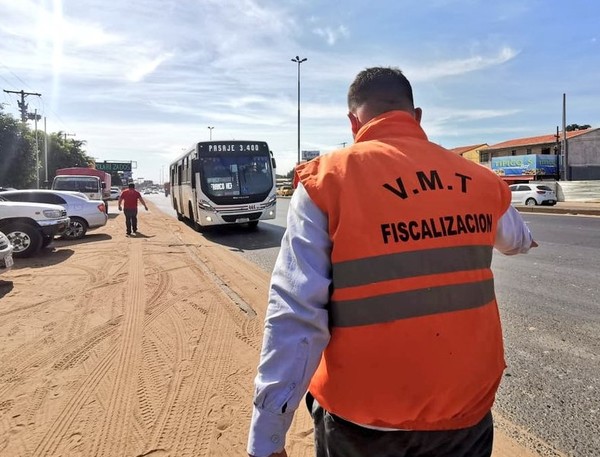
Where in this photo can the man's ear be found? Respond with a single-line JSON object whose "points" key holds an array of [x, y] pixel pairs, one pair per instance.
{"points": [[355, 123], [418, 114]]}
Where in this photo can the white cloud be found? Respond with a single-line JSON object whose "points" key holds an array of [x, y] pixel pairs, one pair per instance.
{"points": [[461, 66], [143, 69], [332, 35]]}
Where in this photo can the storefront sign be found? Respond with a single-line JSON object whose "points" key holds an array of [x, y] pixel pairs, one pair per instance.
{"points": [[526, 165]]}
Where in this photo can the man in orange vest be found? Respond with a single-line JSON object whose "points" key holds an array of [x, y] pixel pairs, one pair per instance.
{"points": [[382, 302]]}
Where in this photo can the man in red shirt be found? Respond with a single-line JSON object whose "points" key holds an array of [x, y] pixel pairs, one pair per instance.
{"points": [[129, 197]]}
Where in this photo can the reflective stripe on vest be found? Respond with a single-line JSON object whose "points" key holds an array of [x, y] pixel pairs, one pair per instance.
{"points": [[409, 264], [412, 303]]}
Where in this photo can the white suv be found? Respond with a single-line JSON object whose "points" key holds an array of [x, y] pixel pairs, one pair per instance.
{"points": [[85, 214], [31, 226]]}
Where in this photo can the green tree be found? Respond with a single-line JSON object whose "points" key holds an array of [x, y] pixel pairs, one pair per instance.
{"points": [[115, 179], [65, 153], [17, 154], [573, 127]]}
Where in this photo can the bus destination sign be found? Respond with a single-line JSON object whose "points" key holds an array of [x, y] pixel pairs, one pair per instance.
{"points": [[233, 147]]}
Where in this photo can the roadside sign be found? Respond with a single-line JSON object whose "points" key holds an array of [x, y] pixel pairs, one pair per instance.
{"points": [[308, 155], [113, 166]]}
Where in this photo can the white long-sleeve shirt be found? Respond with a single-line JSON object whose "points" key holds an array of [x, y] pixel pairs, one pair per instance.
{"points": [[296, 324]]}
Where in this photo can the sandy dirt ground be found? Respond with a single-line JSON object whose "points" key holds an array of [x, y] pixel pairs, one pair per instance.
{"points": [[139, 346]]}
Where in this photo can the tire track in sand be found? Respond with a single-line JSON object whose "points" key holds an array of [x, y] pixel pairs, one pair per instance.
{"points": [[112, 438], [59, 430]]}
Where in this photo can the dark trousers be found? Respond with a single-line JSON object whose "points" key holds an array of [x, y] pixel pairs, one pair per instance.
{"points": [[130, 219], [336, 437]]}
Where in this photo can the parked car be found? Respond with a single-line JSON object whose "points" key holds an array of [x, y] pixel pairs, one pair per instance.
{"points": [[115, 193], [84, 214], [532, 194], [31, 226], [6, 250], [285, 191]]}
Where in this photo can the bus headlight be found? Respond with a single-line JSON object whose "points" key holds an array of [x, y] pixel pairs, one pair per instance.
{"points": [[272, 200], [204, 205]]}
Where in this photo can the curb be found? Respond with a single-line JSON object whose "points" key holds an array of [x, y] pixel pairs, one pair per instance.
{"points": [[559, 210]]}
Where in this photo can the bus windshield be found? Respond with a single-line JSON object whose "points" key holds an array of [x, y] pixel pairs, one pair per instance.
{"points": [[77, 183], [236, 176]]}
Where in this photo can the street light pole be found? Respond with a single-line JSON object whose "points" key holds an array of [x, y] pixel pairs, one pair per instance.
{"points": [[299, 61], [210, 129]]}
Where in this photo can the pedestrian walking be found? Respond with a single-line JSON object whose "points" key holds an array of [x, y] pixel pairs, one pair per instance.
{"points": [[382, 307], [128, 201]]}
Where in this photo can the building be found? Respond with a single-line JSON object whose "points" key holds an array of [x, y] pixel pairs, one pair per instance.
{"points": [[541, 157], [472, 152]]}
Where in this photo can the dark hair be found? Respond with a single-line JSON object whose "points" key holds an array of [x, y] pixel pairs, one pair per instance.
{"points": [[131, 185], [383, 88]]}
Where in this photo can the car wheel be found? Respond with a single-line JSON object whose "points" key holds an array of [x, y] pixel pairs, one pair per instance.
{"points": [[26, 240], [76, 229], [530, 202]]}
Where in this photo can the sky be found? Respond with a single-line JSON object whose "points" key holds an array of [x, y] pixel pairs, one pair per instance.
{"points": [[143, 80]]}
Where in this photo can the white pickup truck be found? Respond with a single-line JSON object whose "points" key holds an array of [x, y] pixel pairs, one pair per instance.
{"points": [[31, 226]]}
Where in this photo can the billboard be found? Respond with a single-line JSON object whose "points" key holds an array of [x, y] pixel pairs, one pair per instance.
{"points": [[113, 166], [526, 165], [308, 155]]}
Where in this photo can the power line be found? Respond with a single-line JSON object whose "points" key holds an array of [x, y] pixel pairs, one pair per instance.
{"points": [[15, 75], [43, 106]]}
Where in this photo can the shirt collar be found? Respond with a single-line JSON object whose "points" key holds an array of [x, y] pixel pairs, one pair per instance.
{"points": [[390, 124]]}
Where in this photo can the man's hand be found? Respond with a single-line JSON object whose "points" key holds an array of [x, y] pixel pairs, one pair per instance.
{"points": [[275, 454]]}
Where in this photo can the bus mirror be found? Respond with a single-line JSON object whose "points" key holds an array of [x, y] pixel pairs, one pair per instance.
{"points": [[103, 185], [273, 165], [195, 165]]}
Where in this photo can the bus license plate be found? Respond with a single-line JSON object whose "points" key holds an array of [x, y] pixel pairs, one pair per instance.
{"points": [[241, 220]]}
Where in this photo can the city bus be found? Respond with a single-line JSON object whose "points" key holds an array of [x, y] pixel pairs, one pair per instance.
{"points": [[224, 182]]}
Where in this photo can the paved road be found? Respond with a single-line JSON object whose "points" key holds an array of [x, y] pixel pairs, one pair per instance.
{"points": [[549, 302]]}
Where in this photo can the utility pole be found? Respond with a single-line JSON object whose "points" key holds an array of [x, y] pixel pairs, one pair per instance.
{"points": [[36, 117], [298, 60], [342, 144], [65, 134], [22, 104], [37, 152], [45, 155], [565, 146]]}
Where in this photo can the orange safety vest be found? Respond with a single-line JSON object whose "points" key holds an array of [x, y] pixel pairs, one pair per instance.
{"points": [[416, 341]]}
